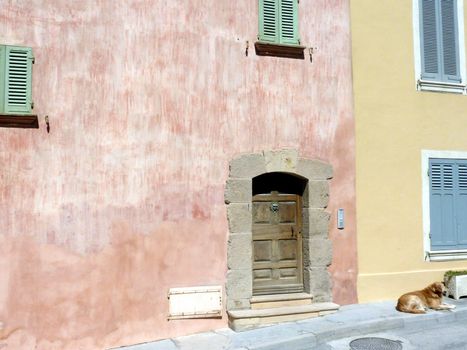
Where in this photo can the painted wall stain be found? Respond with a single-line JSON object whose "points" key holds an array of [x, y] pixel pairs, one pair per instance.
{"points": [[148, 101]]}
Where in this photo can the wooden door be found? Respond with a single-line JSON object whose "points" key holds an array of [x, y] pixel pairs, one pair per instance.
{"points": [[277, 244]]}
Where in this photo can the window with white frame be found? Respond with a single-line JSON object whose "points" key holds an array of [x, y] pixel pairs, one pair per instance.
{"points": [[445, 205], [439, 45]]}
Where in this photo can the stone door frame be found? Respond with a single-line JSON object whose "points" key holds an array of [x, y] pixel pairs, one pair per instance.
{"points": [[317, 247]]}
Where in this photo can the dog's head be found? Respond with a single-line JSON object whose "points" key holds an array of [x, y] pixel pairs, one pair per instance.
{"points": [[438, 288]]}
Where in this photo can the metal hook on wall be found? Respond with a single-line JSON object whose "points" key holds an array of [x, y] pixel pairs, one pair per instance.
{"points": [[311, 51], [246, 49], [47, 123]]}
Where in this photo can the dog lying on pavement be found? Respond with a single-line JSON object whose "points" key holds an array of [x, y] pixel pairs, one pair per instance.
{"points": [[419, 301]]}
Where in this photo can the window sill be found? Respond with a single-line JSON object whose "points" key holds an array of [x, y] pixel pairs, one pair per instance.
{"points": [[446, 255], [437, 86], [279, 50], [19, 121]]}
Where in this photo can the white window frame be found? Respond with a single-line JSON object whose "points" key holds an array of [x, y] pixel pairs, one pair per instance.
{"points": [[426, 85], [429, 255]]}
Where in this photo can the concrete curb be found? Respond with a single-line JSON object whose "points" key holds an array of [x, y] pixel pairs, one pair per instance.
{"points": [[349, 321]]}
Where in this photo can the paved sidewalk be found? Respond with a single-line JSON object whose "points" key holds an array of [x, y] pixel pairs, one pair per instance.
{"points": [[349, 321]]}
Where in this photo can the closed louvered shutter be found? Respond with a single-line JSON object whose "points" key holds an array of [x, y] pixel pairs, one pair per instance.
{"points": [[278, 21], [289, 22], [269, 20], [429, 40], [439, 40], [461, 213], [448, 204], [450, 41], [18, 80]]}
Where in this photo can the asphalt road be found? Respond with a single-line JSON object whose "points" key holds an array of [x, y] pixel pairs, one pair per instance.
{"points": [[452, 336]]}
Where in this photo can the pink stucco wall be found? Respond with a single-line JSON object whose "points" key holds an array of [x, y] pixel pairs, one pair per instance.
{"points": [[148, 100]]}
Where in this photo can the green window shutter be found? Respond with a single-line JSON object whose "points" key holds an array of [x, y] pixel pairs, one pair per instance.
{"points": [[269, 20], [17, 80], [2, 78], [289, 22]]}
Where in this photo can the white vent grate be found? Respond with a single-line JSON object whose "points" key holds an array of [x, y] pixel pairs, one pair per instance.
{"points": [[195, 302]]}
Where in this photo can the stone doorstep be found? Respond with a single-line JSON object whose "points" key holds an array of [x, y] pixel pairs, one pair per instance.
{"points": [[280, 300], [242, 320]]}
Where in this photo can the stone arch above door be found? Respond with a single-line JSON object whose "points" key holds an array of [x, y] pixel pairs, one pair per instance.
{"points": [[317, 248]]}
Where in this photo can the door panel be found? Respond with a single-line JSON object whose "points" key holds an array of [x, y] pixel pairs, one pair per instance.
{"points": [[277, 244], [287, 212], [262, 250], [287, 250]]}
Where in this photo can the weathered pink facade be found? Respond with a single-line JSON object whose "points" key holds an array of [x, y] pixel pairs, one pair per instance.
{"points": [[148, 101]]}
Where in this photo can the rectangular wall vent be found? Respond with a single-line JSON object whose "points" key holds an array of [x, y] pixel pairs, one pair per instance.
{"points": [[195, 302]]}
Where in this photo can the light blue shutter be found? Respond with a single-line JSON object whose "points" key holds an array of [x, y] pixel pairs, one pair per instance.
{"points": [[268, 20], [461, 213], [448, 204], [442, 220], [450, 41], [289, 22], [439, 39], [429, 40], [18, 80]]}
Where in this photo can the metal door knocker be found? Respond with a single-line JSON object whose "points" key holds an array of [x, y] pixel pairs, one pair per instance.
{"points": [[274, 207]]}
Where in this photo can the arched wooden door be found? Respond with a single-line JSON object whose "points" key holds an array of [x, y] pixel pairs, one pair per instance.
{"points": [[277, 244]]}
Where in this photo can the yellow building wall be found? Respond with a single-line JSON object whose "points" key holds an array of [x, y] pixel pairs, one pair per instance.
{"points": [[394, 123]]}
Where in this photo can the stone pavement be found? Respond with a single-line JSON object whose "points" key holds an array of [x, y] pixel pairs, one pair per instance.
{"points": [[349, 321]]}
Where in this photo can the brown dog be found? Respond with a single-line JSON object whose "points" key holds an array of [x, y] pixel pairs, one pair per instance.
{"points": [[417, 302]]}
